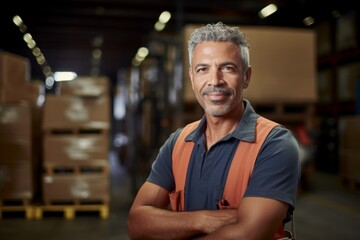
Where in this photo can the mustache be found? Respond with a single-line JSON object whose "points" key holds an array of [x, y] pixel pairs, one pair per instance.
{"points": [[215, 89]]}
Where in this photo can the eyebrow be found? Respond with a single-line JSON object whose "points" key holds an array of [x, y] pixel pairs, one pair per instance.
{"points": [[229, 63], [221, 65], [201, 65]]}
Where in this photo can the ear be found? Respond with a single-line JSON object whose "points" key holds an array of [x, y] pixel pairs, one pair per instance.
{"points": [[247, 77]]}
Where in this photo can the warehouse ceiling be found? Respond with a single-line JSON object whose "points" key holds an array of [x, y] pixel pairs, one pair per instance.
{"points": [[68, 31]]}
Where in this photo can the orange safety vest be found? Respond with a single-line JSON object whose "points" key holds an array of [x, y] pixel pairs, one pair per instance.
{"points": [[239, 173]]}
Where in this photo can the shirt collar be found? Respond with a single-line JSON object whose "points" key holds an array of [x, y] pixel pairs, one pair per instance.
{"points": [[245, 130]]}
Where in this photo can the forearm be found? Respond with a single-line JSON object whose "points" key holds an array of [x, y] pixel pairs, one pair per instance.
{"points": [[239, 231], [258, 218], [148, 222]]}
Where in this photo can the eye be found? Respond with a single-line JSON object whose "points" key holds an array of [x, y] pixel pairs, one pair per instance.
{"points": [[201, 69], [228, 68]]}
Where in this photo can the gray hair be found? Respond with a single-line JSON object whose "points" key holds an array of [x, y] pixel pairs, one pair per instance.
{"points": [[219, 32]]}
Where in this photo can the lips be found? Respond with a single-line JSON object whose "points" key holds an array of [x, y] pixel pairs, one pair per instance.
{"points": [[216, 96]]}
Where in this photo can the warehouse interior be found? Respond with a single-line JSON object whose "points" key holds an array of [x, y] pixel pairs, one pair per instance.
{"points": [[74, 153]]}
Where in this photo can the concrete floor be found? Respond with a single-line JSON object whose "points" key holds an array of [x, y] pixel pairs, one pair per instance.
{"points": [[328, 211]]}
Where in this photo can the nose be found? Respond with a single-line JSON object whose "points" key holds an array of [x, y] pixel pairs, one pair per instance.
{"points": [[216, 78]]}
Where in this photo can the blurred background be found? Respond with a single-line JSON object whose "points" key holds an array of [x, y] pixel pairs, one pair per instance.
{"points": [[90, 89]]}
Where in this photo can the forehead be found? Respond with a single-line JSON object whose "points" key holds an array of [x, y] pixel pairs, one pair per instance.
{"points": [[216, 50]]}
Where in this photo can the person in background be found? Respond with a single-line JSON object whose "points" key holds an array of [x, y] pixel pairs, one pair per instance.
{"points": [[231, 175]]}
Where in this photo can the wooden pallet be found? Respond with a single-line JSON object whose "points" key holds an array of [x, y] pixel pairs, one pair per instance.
{"points": [[77, 169], [69, 211], [16, 206], [79, 130]]}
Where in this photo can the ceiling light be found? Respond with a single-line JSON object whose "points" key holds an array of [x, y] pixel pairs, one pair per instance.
{"points": [[27, 37], [64, 76], [308, 21], [96, 53], [164, 17], [36, 51], [267, 11], [17, 20], [49, 82], [143, 52], [159, 26], [31, 44]]}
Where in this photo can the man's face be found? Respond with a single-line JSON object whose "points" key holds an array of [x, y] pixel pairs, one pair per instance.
{"points": [[217, 77]]}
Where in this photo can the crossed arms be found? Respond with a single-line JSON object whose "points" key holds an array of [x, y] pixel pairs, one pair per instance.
{"points": [[150, 218]]}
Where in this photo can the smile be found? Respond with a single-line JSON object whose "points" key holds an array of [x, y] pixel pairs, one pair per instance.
{"points": [[216, 96]]}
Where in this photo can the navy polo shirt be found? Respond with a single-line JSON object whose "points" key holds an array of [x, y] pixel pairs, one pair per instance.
{"points": [[276, 172]]}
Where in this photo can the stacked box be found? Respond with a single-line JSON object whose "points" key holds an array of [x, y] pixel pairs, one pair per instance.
{"points": [[20, 111], [16, 178], [85, 86], [76, 143], [14, 77], [75, 150], [74, 112], [76, 189], [16, 181]]}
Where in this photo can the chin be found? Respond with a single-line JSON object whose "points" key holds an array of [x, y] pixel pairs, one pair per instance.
{"points": [[217, 113]]}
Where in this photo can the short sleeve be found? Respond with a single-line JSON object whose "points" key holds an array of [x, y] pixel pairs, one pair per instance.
{"points": [[161, 170], [277, 169]]}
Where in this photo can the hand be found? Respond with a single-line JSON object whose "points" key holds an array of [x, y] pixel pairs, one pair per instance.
{"points": [[217, 218]]}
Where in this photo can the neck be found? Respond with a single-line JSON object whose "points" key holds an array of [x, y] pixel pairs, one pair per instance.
{"points": [[219, 127]]}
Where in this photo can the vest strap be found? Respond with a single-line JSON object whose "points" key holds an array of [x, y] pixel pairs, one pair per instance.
{"points": [[243, 163]]}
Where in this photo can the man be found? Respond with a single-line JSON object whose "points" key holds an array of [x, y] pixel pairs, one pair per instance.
{"points": [[232, 175]]}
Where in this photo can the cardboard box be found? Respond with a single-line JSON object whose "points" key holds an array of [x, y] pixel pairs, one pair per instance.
{"points": [[13, 95], [16, 181], [86, 86], [15, 151], [76, 150], [61, 112], [15, 121], [72, 187], [14, 70]]}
